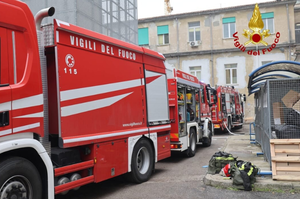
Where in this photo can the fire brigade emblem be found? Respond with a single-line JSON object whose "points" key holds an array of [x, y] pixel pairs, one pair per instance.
{"points": [[256, 24], [70, 61]]}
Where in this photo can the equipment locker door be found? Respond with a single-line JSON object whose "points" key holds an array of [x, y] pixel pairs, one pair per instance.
{"points": [[157, 98], [5, 90]]}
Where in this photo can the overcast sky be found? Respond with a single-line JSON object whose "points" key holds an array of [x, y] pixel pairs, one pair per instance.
{"points": [[153, 8]]}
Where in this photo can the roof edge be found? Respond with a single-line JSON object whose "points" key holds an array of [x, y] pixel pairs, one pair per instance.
{"points": [[215, 11]]}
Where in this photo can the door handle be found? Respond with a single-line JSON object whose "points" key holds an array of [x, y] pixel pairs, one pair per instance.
{"points": [[4, 118]]}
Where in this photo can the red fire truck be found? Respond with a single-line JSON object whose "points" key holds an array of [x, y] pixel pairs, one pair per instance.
{"points": [[189, 125], [76, 107], [227, 109]]}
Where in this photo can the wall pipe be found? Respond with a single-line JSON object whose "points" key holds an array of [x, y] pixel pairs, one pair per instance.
{"points": [[289, 29]]}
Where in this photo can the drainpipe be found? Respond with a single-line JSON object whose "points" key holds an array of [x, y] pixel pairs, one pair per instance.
{"points": [[177, 30], [211, 53], [289, 30]]}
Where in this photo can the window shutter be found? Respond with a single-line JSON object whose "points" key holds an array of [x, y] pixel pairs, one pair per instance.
{"points": [[162, 30], [143, 36], [267, 15], [228, 20]]}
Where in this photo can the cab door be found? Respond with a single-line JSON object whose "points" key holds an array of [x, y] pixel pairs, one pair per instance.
{"points": [[5, 90]]}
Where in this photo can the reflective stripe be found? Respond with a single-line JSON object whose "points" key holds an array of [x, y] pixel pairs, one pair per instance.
{"points": [[89, 106], [66, 141], [5, 132], [6, 106], [40, 114], [95, 90], [26, 127], [27, 102]]}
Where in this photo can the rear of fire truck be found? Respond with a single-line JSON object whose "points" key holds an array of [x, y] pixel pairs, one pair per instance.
{"points": [[187, 126]]}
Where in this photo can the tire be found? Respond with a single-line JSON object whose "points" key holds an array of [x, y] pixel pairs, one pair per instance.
{"points": [[207, 140], [191, 151], [19, 179], [142, 162]]}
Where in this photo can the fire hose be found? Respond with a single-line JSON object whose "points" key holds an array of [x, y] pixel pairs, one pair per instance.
{"points": [[228, 129]]}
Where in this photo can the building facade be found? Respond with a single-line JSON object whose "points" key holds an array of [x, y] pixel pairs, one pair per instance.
{"points": [[219, 47], [115, 18]]}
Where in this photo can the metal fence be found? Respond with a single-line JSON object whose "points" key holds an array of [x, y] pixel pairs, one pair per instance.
{"points": [[277, 110]]}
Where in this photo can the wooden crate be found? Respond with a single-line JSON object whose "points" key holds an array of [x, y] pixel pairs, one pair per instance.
{"points": [[285, 155]]}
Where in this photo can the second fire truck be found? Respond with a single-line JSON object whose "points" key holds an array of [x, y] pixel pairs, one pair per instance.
{"points": [[188, 103], [227, 109]]}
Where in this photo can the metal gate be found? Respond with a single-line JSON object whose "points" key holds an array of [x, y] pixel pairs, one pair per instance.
{"points": [[277, 112]]}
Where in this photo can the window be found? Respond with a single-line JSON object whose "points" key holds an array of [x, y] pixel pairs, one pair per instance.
{"points": [[228, 27], [163, 34], [143, 36], [297, 32], [231, 73], [268, 19], [194, 31], [196, 71]]}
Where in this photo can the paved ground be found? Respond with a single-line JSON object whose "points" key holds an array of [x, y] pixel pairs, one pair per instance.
{"points": [[239, 145], [182, 177]]}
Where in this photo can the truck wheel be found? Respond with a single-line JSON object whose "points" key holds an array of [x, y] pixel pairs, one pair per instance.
{"points": [[19, 179], [142, 162], [191, 151]]}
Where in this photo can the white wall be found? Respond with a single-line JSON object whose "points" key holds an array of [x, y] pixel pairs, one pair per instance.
{"points": [[257, 60], [205, 68], [241, 70]]}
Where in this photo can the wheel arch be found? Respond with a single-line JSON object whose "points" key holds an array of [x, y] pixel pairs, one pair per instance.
{"points": [[196, 133], [33, 151], [153, 142], [152, 139], [190, 126], [208, 122], [31, 155]]}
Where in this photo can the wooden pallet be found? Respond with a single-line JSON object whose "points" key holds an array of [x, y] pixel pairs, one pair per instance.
{"points": [[285, 155]]}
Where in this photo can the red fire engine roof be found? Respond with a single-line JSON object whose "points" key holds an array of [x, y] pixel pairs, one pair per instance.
{"points": [[109, 40]]}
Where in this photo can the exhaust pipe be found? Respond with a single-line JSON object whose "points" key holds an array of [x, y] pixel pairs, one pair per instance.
{"points": [[43, 62], [46, 12]]}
